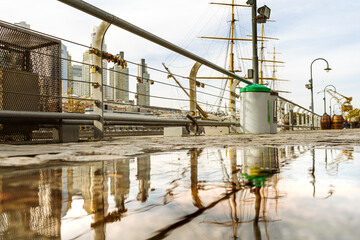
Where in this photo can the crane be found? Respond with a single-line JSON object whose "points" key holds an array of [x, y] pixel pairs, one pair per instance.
{"points": [[345, 105], [351, 115]]}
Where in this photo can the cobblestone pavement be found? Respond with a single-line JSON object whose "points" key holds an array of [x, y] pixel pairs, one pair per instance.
{"points": [[19, 155]]}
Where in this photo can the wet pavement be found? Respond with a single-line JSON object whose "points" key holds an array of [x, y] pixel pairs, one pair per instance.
{"points": [[301, 185]]}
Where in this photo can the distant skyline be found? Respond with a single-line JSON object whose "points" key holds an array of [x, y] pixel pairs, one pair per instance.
{"points": [[307, 30]]}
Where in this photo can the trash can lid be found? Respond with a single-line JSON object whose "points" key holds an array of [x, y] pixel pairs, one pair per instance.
{"points": [[255, 88]]}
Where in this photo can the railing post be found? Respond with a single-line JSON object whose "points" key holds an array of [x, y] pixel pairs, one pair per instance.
{"points": [[192, 94], [192, 86], [97, 80], [281, 112], [233, 104]]}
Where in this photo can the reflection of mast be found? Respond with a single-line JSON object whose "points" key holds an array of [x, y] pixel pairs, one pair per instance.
{"points": [[235, 185], [194, 154], [143, 176]]}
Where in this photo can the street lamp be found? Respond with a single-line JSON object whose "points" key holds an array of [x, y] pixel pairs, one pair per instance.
{"points": [[339, 107], [325, 96], [312, 85], [264, 15], [330, 104]]}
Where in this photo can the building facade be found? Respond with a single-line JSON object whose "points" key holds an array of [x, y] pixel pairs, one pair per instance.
{"points": [[143, 85]]}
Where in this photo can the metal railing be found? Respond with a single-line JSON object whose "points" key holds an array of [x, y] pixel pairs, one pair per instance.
{"points": [[31, 97]]}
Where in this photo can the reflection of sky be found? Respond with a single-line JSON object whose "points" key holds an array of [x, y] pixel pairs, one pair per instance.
{"points": [[336, 217], [296, 214]]}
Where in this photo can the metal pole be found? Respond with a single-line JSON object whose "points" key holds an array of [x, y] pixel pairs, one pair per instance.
{"points": [[46, 115], [192, 86], [97, 77], [330, 105], [255, 60], [324, 102], [103, 15], [325, 96], [312, 85]]}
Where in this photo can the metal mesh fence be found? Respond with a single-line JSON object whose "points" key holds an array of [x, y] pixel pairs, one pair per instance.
{"points": [[29, 81]]}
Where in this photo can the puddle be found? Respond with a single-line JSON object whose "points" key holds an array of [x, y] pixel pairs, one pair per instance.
{"points": [[210, 193]]}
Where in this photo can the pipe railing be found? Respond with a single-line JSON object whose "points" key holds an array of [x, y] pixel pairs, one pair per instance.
{"points": [[109, 118], [127, 119], [105, 16]]}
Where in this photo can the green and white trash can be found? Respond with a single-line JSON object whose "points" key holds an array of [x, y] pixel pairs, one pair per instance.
{"points": [[257, 110]]}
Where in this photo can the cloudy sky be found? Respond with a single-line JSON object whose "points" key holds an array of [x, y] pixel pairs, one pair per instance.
{"points": [[307, 30]]}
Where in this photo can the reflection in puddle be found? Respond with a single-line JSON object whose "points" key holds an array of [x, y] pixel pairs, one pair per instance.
{"points": [[230, 193]]}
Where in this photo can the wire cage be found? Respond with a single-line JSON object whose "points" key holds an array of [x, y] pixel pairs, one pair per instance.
{"points": [[30, 80]]}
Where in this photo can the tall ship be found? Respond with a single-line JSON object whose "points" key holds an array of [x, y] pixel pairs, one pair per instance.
{"points": [[239, 63]]}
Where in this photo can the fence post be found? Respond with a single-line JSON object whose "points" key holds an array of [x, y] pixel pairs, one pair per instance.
{"points": [[291, 118], [192, 86], [232, 104], [97, 80]]}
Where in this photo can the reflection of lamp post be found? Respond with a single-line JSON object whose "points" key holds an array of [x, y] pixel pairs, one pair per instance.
{"points": [[325, 96], [312, 85], [312, 171]]}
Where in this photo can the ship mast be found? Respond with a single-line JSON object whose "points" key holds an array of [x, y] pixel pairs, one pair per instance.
{"points": [[231, 109], [232, 39]]}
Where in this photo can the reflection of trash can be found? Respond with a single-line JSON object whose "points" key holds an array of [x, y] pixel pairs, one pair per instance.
{"points": [[257, 109], [259, 164]]}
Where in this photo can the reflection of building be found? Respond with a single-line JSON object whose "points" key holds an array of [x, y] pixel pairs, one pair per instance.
{"points": [[36, 212], [120, 183], [143, 176], [143, 85]]}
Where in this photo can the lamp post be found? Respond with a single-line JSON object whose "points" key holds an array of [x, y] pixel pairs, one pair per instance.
{"points": [[264, 12], [325, 96], [330, 105], [336, 104], [312, 85]]}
